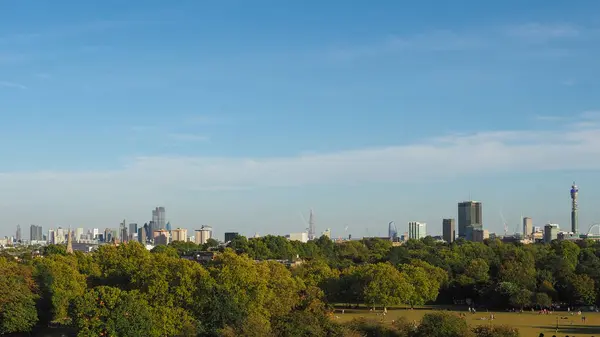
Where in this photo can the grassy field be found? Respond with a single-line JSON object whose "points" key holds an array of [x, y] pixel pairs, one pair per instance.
{"points": [[530, 324]]}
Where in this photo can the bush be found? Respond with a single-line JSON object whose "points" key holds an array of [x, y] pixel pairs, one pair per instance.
{"points": [[496, 331], [443, 324]]}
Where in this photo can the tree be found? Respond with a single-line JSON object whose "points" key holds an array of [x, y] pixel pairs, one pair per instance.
{"points": [[542, 300], [386, 286], [60, 282], [521, 298], [17, 298], [108, 311], [443, 324], [581, 289], [426, 288]]}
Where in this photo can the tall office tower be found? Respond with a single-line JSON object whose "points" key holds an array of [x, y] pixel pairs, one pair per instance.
{"points": [[550, 232], [311, 226], [60, 236], [392, 231], [449, 230], [469, 214], [133, 228], [18, 236], [158, 217], [35, 233], [417, 230], [142, 234], [78, 234], [527, 227], [123, 231], [230, 236], [95, 233], [51, 236], [574, 220]]}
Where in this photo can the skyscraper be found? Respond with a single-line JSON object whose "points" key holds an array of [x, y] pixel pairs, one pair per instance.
{"points": [[417, 230], [35, 233], [574, 220], [527, 227], [18, 236], [78, 234], [469, 214], [449, 230], [158, 217]]}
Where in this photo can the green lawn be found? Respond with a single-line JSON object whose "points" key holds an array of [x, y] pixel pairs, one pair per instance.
{"points": [[529, 324]]}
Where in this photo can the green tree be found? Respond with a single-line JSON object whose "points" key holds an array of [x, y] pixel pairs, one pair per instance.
{"points": [[386, 286], [426, 288], [108, 311], [60, 282], [521, 298], [443, 324], [17, 298], [581, 289]]}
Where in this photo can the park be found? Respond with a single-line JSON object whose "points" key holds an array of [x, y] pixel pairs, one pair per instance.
{"points": [[528, 323]]}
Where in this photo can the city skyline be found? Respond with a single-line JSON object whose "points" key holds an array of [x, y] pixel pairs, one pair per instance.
{"points": [[369, 114]]}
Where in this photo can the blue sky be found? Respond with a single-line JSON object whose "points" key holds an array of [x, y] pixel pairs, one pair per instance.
{"points": [[242, 115]]}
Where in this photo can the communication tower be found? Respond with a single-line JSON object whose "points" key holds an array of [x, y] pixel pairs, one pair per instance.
{"points": [[574, 207]]}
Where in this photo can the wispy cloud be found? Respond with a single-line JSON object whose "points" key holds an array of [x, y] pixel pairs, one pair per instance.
{"points": [[574, 146], [549, 118], [544, 32], [499, 39], [14, 85], [188, 137]]}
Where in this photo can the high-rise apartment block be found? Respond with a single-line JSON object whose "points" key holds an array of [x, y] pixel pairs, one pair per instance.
{"points": [[449, 230], [179, 234], [202, 235], [417, 230], [469, 214]]}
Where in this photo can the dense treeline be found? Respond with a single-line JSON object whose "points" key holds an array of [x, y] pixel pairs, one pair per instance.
{"points": [[126, 290]]}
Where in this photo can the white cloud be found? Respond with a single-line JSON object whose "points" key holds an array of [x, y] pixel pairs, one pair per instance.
{"points": [[12, 85], [573, 147]]}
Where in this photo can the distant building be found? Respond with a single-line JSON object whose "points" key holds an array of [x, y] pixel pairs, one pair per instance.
{"points": [[35, 233], [527, 227], [158, 219], [479, 234], [449, 230], [202, 235], [550, 232], [78, 234], [133, 230], [327, 233], [470, 229], [417, 230], [469, 213], [142, 235], [302, 237], [229, 236], [18, 237], [161, 237], [179, 234]]}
